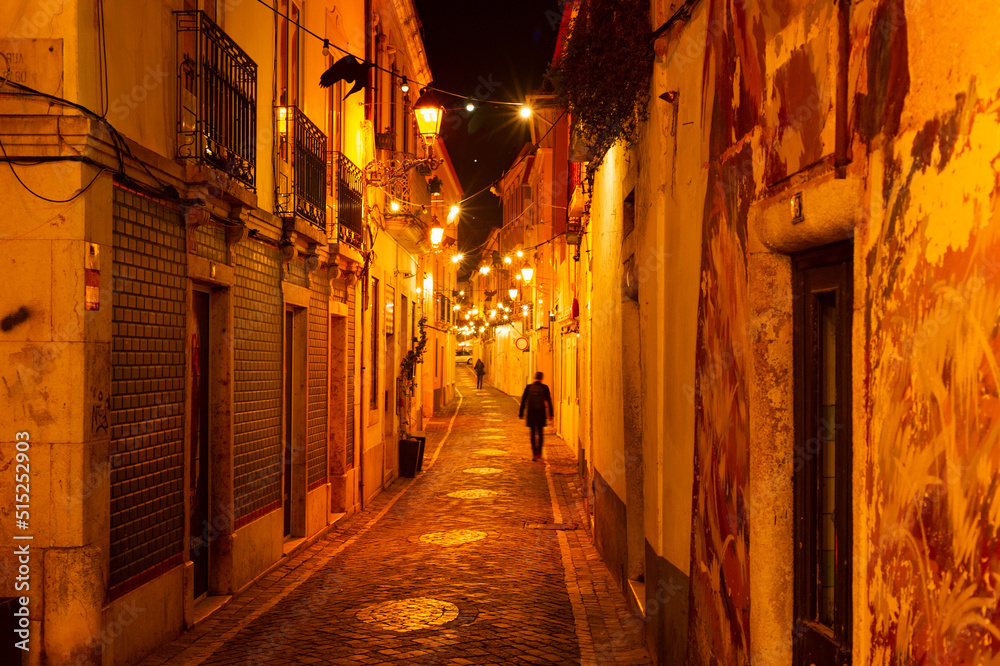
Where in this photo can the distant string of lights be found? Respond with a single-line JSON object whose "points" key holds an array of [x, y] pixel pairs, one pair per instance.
{"points": [[327, 45]]}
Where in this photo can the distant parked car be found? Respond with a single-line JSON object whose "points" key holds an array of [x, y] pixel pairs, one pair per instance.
{"points": [[463, 356]]}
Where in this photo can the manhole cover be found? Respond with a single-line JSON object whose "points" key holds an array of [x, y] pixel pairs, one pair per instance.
{"points": [[475, 493], [492, 452], [453, 537], [409, 614], [550, 526], [482, 470]]}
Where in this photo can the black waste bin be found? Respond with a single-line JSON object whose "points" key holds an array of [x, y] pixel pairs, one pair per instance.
{"points": [[423, 444], [409, 457]]}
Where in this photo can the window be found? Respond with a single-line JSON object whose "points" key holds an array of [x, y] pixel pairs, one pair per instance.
{"points": [[823, 459], [406, 122], [628, 215], [288, 54], [375, 312]]}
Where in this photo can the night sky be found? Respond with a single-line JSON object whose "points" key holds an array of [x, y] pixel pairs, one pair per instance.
{"points": [[490, 50]]}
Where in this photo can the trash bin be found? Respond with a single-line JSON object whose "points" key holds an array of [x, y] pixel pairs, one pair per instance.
{"points": [[409, 457], [422, 438]]}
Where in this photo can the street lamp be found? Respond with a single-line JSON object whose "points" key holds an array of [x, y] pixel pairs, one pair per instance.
{"points": [[513, 293], [429, 111], [437, 234], [526, 272]]}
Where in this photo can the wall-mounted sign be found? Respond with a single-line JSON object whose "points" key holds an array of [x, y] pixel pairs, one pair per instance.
{"points": [[36, 63], [521, 343]]}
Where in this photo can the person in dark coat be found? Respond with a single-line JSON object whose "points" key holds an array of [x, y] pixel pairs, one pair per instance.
{"points": [[480, 369], [536, 400]]}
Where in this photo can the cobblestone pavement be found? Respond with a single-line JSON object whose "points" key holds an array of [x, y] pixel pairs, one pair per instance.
{"points": [[458, 566]]}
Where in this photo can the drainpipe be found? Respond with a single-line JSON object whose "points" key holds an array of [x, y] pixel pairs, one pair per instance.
{"points": [[363, 417], [843, 55]]}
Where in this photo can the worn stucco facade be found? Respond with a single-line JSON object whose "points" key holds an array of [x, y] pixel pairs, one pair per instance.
{"points": [[204, 349], [776, 128]]}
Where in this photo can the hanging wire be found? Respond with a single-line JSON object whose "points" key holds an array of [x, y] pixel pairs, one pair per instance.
{"points": [[327, 43]]}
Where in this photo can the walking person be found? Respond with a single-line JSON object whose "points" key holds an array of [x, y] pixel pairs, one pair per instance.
{"points": [[536, 400], [480, 371]]}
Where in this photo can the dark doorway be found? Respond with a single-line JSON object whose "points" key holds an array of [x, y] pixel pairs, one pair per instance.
{"points": [[286, 456], [823, 303], [200, 416]]}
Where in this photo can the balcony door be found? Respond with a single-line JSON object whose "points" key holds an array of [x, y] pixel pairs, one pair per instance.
{"points": [[289, 52]]}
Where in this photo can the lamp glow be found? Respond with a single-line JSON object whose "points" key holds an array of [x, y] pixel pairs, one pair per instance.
{"points": [[513, 294], [429, 112], [470, 107], [457, 258], [453, 213], [484, 269], [506, 260], [526, 272], [525, 111], [405, 85], [394, 206], [282, 120], [437, 235], [520, 254]]}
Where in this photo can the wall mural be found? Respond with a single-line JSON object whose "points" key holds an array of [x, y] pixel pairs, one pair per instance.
{"points": [[933, 309], [720, 577]]}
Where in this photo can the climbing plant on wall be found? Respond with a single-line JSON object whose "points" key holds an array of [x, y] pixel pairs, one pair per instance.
{"points": [[415, 355], [604, 70]]}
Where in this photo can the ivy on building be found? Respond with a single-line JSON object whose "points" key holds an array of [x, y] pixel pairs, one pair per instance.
{"points": [[603, 73], [416, 355]]}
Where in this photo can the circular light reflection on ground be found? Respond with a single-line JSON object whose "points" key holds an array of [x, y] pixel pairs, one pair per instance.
{"points": [[409, 614], [482, 470], [492, 452], [453, 537], [475, 493]]}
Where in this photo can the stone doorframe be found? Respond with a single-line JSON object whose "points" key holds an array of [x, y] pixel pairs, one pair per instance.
{"points": [[830, 210]]}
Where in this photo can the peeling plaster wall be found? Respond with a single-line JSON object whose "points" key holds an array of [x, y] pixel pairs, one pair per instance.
{"points": [[755, 123], [928, 257]]}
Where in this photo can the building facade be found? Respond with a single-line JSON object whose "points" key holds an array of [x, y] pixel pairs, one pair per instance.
{"points": [[786, 305], [210, 298]]}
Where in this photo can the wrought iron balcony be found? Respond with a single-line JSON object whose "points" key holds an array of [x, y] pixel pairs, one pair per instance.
{"points": [[217, 98], [300, 181], [348, 180]]}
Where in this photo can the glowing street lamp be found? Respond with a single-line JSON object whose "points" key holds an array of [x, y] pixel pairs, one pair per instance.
{"points": [[512, 292], [484, 269], [429, 112], [526, 272], [437, 234]]}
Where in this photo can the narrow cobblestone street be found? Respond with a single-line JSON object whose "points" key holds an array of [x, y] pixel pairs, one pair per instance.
{"points": [[458, 566]]}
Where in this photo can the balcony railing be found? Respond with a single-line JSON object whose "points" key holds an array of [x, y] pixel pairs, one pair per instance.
{"points": [[217, 98], [300, 185], [348, 180]]}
